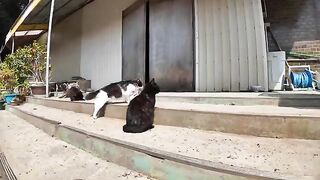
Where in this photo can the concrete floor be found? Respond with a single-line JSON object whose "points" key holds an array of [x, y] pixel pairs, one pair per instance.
{"points": [[288, 156], [233, 109], [240, 94], [32, 154]]}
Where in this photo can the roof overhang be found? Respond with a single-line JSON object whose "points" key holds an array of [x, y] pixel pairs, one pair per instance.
{"points": [[36, 16]]}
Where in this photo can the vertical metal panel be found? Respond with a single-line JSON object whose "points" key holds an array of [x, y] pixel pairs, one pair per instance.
{"points": [[171, 56], [210, 50], [225, 45], [251, 42], [134, 41], [217, 45], [243, 49], [261, 42], [238, 50], [202, 48], [234, 48], [196, 49]]}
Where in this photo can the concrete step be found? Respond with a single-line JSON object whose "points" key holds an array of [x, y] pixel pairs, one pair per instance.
{"points": [[263, 121], [179, 153], [33, 154], [281, 99]]}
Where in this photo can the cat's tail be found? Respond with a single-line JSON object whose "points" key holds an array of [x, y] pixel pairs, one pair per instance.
{"points": [[91, 95], [136, 129]]}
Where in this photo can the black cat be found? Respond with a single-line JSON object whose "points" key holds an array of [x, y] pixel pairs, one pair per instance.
{"points": [[72, 91], [140, 112], [74, 94]]}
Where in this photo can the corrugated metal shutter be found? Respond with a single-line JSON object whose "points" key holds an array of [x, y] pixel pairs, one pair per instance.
{"points": [[230, 45]]}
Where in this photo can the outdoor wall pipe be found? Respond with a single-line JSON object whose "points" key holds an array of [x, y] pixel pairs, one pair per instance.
{"points": [[12, 46], [48, 47]]}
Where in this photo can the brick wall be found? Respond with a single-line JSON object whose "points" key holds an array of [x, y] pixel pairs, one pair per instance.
{"points": [[314, 64], [307, 47], [295, 24]]}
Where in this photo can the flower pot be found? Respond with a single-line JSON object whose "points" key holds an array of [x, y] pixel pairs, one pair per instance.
{"points": [[8, 98], [2, 104], [38, 89]]}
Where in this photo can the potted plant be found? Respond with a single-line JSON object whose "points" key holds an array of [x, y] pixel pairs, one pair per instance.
{"points": [[28, 65], [37, 61]]}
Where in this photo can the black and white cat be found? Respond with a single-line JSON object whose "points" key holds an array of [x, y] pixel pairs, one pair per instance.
{"points": [[125, 90], [140, 112]]}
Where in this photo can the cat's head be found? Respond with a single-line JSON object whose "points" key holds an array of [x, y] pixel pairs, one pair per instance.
{"points": [[153, 87], [75, 84], [137, 83]]}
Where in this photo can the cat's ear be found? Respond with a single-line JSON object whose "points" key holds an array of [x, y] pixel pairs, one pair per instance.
{"points": [[152, 80]]}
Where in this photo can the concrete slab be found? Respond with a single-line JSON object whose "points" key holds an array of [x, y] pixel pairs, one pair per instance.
{"points": [[281, 98], [266, 121], [33, 154], [291, 94], [276, 157]]}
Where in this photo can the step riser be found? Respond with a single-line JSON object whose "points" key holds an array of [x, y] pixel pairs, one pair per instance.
{"points": [[256, 125], [281, 102], [157, 165]]}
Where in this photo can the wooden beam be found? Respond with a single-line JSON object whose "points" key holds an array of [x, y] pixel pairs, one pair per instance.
{"points": [[27, 27], [21, 18]]}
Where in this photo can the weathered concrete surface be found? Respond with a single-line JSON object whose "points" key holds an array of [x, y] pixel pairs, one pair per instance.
{"points": [[264, 121], [234, 153], [33, 154], [281, 98], [143, 159]]}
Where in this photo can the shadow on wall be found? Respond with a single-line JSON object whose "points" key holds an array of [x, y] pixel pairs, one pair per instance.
{"points": [[293, 21]]}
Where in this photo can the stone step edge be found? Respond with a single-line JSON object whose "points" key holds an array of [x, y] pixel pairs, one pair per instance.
{"points": [[155, 155], [299, 127], [123, 105]]}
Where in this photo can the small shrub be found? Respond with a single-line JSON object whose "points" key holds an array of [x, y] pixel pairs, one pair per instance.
{"points": [[8, 78]]}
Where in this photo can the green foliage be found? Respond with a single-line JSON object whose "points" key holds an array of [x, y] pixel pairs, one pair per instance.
{"points": [[26, 62], [8, 78], [35, 57], [18, 63]]}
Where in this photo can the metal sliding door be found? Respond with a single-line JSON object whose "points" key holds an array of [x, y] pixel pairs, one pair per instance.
{"points": [[134, 41], [171, 44]]}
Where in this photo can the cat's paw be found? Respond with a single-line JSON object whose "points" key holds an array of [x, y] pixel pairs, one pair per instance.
{"points": [[94, 117]]}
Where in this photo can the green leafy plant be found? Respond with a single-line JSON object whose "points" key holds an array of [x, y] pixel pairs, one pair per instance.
{"points": [[37, 61], [8, 78], [28, 63], [18, 63]]}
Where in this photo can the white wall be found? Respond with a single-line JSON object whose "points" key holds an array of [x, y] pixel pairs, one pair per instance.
{"points": [[66, 48], [231, 45], [101, 41]]}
